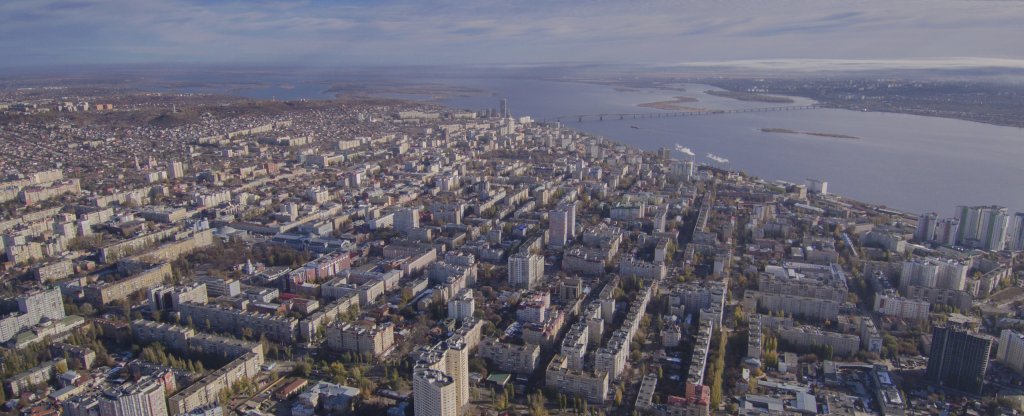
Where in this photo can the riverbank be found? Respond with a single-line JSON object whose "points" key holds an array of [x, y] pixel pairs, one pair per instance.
{"points": [[749, 96]]}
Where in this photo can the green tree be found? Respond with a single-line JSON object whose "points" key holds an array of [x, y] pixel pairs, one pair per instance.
{"points": [[500, 401], [537, 405], [302, 368]]}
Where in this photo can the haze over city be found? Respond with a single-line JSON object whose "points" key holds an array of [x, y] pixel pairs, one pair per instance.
{"points": [[62, 32], [497, 208]]}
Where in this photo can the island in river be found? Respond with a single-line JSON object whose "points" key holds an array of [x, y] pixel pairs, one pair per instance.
{"points": [[750, 96], [673, 105], [808, 133]]}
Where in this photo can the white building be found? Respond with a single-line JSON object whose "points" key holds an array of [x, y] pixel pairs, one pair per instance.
{"points": [[462, 305], [562, 225], [934, 273], [1015, 234], [525, 269], [982, 227], [682, 169], [435, 393], [946, 230], [143, 398], [177, 170], [441, 378], [33, 308], [817, 186], [891, 304], [1011, 350]]}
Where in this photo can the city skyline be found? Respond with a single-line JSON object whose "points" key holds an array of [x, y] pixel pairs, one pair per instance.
{"points": [[440, 208]]}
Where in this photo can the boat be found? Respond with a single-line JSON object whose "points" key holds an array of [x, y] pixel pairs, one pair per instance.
{"points": [[634, 127]]}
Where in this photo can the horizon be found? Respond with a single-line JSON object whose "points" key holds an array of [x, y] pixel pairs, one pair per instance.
{"points": [[651, 33]]}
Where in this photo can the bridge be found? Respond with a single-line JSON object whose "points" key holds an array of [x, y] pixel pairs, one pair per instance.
{"points": [[630, 116]]}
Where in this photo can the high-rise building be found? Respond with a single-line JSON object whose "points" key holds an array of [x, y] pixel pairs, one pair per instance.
{"points": [[407, 219], [558, 235], [934, 273], [562, 225], [441, 378], [1015, 235], [462, 305], [946, 231], [143, 398], [926, 224], [982, 227], [1011, 350], [817, 186], [525, 269], [958, 359], [503, 111], [33, 307], [176, 170], [457, 365], [682, 169], [434, 393]]}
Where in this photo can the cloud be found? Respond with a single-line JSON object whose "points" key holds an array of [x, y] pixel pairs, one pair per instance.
{"points": [[858, 64], [684, 150], [822, 24], [42, 32], [717, 158]]}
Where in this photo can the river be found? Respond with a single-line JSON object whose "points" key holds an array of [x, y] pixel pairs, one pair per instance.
{"points": [[913, 163]]}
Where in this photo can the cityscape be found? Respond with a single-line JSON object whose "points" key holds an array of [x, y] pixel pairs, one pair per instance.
{"points": [[209, 238]]}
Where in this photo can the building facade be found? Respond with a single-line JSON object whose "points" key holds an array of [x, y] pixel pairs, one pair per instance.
{"points": [[958, 359], [562, 225], [525, 269], [142, 398], [1011, 350]]}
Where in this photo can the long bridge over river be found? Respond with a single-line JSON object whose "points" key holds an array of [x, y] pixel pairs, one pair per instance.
{"points": [[630, 116]]}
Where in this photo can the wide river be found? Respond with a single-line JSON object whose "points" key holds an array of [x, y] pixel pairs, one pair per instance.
{"points": [[913, 163]]}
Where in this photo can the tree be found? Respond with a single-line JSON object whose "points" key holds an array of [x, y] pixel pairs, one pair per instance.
{"points": [[338, 372], [718, 366], [537, 405], [500, 401], [737, 314], [302, 368]]}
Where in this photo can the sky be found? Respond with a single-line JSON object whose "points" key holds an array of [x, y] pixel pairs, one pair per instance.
{"points": [[512, 32]]}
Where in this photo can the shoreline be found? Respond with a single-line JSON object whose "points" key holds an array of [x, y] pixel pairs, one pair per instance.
{"points": [[750, 96]]}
